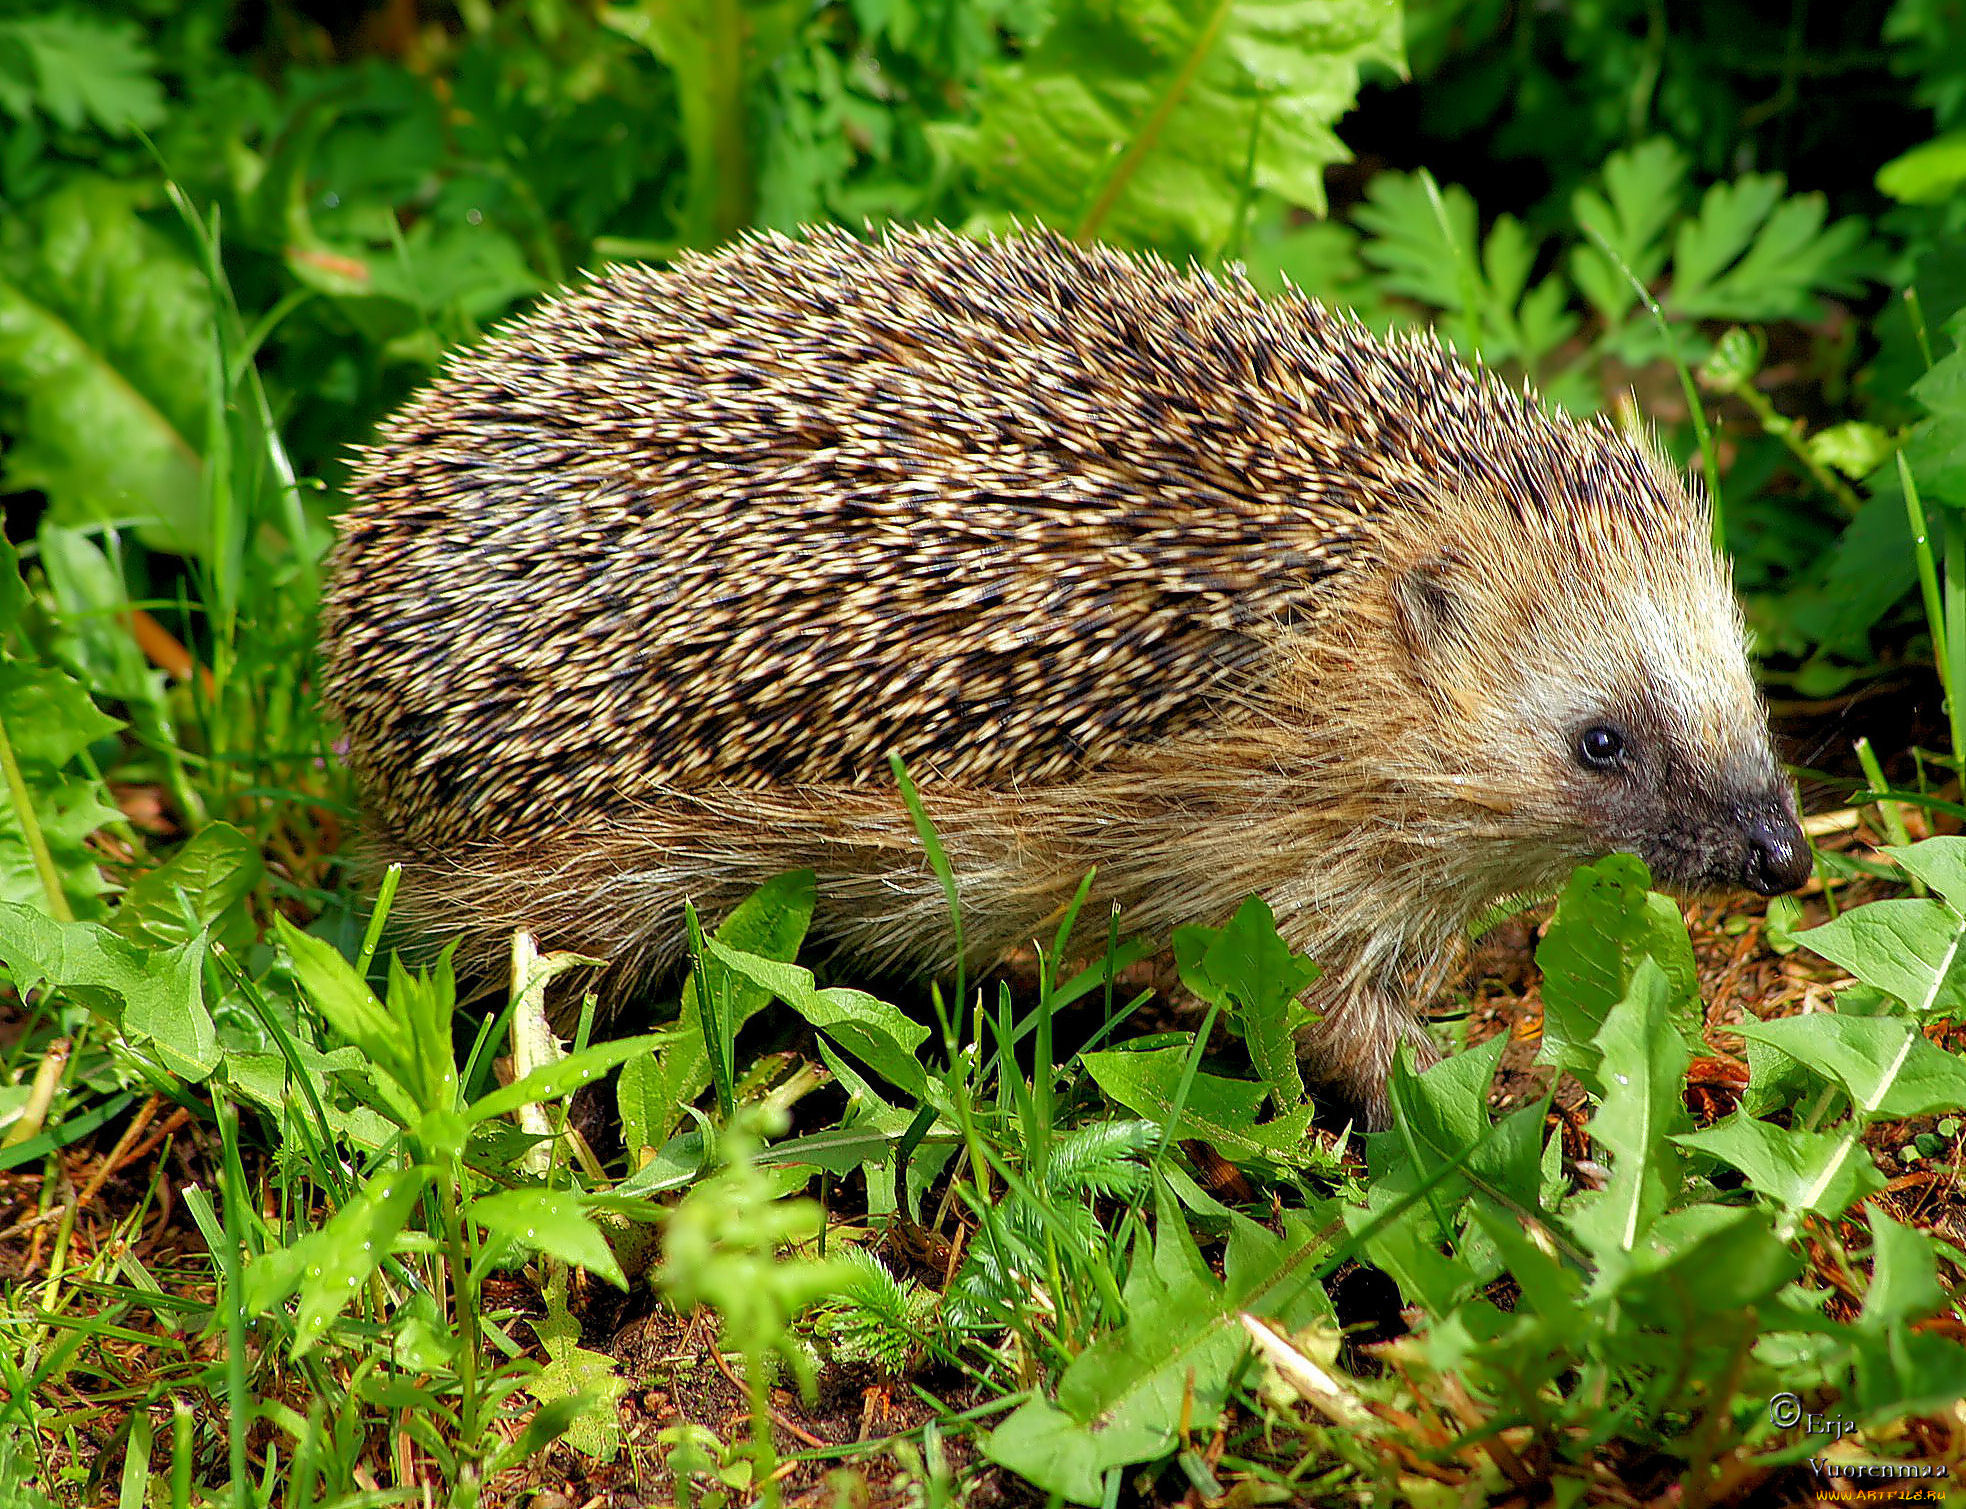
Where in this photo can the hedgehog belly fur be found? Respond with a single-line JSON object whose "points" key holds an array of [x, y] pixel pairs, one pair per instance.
{"points": [[1135, 569]]}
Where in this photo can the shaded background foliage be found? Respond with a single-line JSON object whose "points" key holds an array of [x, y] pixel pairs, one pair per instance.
{"points": [[233, 236], [384, 181]]}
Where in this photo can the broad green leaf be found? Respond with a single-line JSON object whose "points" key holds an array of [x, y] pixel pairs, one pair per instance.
{"points": [[1854, 448], [1246, 968], [180, 899], [106, 348], [89, 633], [1699, 1262], [1222, 1112], [1550, 1289], [1641, 198], [1904, 1280], [336, 1261], [652, 1091], [1929, 173], [586, 1380], [1136, 119], [549, 1221], [879, 1035], [48, 719], [1907, 1373], [713, 52], [344, 998], [1909, 947], [82, 68], [1885, 1063], [155, 996], [1126, 1397], [1439, 1117], [1810, 1172], [1939, 862], [1444, 1112], [551, 1081], [1607, 923], [1643, 1071]]}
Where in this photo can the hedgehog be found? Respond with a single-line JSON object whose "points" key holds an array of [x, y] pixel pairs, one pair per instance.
{"points": [[1141, 573]]}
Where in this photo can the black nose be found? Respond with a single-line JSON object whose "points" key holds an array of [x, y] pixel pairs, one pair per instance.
{"points": [[1778, 855]]}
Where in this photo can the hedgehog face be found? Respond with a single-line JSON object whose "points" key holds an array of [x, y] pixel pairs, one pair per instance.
{"points": [[1610, 712]]}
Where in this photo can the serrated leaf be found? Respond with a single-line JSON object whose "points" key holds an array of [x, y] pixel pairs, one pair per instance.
{"points": [[1643, 1072], [653, 1090], [1246, 968], [1807, 1172], [105, 353], [1885, 1063], [1607, 922], [69, 810], [879, 1035], [1423, 251], [87, 68], [587, 1381], [155, 996], [1640, 199], [49, 720], [1141, 113], [1750, 254], [549, 1221], [1222, 1112]]}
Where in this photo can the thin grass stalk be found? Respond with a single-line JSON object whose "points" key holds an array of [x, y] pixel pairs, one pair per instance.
{"points": [[709, 1016], [1955, 621], [30, 827], [1889, 813], [1928, 575], [1709, 452], [1149, 134], [238, 1411], [1468, 276]]}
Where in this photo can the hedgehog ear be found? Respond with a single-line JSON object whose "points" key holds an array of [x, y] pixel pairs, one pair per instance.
{"points": [[1433, 618]]}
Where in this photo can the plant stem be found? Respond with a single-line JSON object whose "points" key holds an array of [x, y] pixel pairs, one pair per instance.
{"points": [[1955, 640], [1890, 814], [464, 1318], [1150, 130], [30, 827], [1784, 429], [1709, 455], [237, 1409]]}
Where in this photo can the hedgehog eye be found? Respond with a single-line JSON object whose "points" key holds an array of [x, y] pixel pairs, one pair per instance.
{"points": [[1601, 748]]}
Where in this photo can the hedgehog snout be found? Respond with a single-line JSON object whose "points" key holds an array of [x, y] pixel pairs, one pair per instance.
{"points": [[1778, 857]]}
